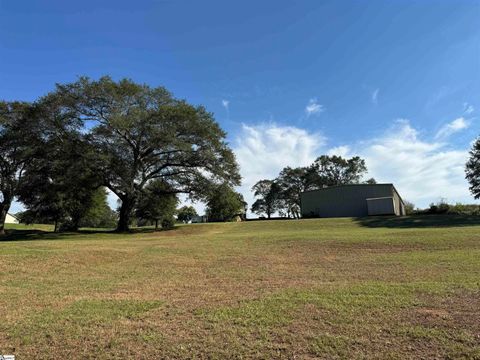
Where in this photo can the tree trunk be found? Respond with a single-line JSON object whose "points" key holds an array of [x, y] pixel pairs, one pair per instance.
{"points": [[124, 215], [3, 215], [156, 224], [55, 229]]}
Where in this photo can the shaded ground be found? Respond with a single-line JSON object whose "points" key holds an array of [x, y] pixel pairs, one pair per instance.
{"points": [[319, 288], [419, 221]]}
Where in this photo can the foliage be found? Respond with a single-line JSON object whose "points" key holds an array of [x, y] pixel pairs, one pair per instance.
{"points": [[335, 170], [60, 186], [143, 133], [99, 214], [168, 222], [157, 203], [186, 213], [268, 193], [442, 207], [224, 204], [292, 182], [472, 169], [19, 145], [409, 207]]}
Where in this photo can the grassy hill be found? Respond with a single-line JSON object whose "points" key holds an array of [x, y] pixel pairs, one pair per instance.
{"points": [[321, 288]]}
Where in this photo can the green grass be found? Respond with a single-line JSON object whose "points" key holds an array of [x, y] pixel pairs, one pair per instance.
{"points": [[386, 288]]}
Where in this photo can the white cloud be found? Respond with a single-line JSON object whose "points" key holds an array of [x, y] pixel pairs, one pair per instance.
{"points": [[342, 151], [263, 150], [313, 107], [375, 96], [452, 127], [422, 171], [468, 109], [226, 104]]}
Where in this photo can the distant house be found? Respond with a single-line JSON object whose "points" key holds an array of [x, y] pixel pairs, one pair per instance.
{"points": [[199, 219], [11, 219], [356, 200]]}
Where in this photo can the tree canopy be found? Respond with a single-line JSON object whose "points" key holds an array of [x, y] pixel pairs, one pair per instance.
{"points": [[20, 142], [186, 213], [268, 193], [157, 203], [141, 134], [224, 204], [472, 169]]}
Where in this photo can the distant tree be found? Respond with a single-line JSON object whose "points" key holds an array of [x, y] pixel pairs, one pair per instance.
{"points": [[20, 142], [370, 181], [224, 204], [292, 182], [268, 193], [99, 214], [335, 170], [186, 213], [141, 134], [472, 169], [409, 207], [157, 202]]}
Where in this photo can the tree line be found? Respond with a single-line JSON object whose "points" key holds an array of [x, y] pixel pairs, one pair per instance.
{"points": [[61, 151], [282, 194]]}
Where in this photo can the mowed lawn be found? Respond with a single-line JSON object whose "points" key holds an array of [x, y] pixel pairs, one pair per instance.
{"points": [[322, 288]]}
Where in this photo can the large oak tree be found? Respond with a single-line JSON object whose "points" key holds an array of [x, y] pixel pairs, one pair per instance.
{"points": [[142, 133]]}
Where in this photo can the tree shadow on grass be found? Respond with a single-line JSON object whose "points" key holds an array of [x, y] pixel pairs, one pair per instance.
{"points": [[419, 221], [29, 235]]}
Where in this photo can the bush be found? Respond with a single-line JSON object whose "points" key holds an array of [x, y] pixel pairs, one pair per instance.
{"points": [[442, 207], [409, 208], [168, 223]]}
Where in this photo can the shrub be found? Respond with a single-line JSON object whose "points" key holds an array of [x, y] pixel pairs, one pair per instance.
{"points": [[409, 208], [442, 207], [168, 223]]}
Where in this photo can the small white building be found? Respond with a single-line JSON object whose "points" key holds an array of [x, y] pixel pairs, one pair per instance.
{"points": [[11, 219]]}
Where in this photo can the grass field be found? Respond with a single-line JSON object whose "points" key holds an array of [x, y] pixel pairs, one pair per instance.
{"points": [[385, 288]]}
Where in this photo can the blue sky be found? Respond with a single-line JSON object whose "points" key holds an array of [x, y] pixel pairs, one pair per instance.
{"points": [[397, 82]]}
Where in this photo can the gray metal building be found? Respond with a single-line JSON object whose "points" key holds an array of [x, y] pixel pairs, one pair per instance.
{"points": [[355, 200]]}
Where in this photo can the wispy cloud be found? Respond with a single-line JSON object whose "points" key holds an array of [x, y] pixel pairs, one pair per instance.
{"points": [[423, 171], [313, 107], [375, 96], [468, 109], [263, 150], [226, 105], [451, 128]]}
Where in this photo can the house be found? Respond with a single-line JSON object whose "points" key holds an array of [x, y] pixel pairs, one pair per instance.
{"points": [[356, 200], [11, 219], [199, 219]]}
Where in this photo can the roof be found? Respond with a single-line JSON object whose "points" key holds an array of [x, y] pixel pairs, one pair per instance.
{"points": [[12, 215], [345, 185]]}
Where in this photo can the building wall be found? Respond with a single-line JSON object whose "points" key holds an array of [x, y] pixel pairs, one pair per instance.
{"points": [[381, 206], [10, 219], [342, 201], [399, 205]]}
